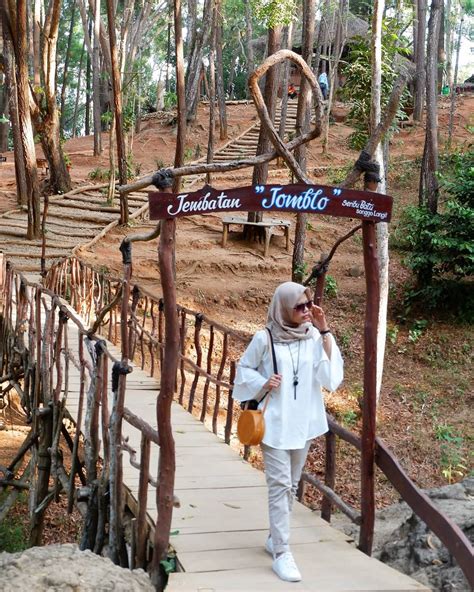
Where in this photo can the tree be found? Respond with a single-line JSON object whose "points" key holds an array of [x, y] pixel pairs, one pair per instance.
{"points": [[44, 105], [303, 116], [16, 27], [420, 80], [11, 91], [381, 229], [274, 15], [118, 112], [193, 74], [429, 187], [220, 73]]}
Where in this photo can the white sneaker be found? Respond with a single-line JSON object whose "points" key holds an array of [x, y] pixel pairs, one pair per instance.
{"points": [[269, 545], [285, 568]]}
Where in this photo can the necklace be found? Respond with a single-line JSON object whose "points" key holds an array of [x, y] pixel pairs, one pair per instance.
{"points": [[295, 369]]}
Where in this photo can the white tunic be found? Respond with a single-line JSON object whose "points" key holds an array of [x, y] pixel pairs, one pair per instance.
{"points": [[290, 422]]}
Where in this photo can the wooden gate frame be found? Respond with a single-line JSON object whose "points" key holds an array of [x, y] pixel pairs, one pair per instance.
{"points": [[319, 199], [372, 450]]}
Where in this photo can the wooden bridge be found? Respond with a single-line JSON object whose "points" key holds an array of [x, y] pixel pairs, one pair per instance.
{"points": [[220, 524], [62, 349]]}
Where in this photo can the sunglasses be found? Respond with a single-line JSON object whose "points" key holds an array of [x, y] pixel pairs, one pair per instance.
{"points": [[302, 307]]}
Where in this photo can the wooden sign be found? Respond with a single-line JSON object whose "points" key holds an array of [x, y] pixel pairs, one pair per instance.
{"points": [[315, 199]]}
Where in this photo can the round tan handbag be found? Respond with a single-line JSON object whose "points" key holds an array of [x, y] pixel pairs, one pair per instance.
{"points": [[251, 426]]}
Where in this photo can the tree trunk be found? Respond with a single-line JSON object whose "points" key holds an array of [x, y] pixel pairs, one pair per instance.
{"points": [[453, 87], [303, 116], [4, 112], [260, 172], [381, 229], [20, 45], [248, 40], [117, 95], [429, 187], [78, 94], [420, 80], [87, 119], [10, 78], [195, 63], [220, 74], [180, 92], [340, 39], [212, 87], [96, 107], [287, 43], [448, 44], [46, 115], [167, 464], [192, 25], [66, 66], [441, 51], [168, 50], [37, 43]]}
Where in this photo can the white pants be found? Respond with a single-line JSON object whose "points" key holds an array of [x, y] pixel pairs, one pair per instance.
{"points": [[283, 470]]}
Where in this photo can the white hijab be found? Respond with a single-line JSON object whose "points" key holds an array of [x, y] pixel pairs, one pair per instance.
{"points": [[280, 313]]}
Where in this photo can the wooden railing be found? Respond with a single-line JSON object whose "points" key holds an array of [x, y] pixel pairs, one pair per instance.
{"points": [[208, 350], [208, 356], [45, 350]]}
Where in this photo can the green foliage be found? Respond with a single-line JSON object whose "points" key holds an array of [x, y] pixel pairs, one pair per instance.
{"points": [[330, 287], [107, 118], [337, 175], [274, 12], [99, 174], [350, 418], [453, 464], [171, 100], [300, 271], [440, 246], [417, 329], [13, 533], [358, 81], [392, 333]]}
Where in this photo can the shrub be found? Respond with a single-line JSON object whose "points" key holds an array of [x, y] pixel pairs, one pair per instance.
{"points": [[440, 246], [358, 75]]}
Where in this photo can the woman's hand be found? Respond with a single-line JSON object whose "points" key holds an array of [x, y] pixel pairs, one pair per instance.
{"points": [[318, 318], [273, 382]]}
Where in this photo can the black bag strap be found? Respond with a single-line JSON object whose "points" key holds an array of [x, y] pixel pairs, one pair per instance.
{"points": [[275, 366], [245, 405], [274, 360]]}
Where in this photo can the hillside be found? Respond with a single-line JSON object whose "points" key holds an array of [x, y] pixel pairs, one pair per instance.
{"points": [[426, 395]]}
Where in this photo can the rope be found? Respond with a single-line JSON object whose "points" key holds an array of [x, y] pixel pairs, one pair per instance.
{"points": [[369, 167]]}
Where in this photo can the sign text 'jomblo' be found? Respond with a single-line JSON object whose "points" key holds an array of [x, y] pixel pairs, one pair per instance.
{"points": [[316, 199]]}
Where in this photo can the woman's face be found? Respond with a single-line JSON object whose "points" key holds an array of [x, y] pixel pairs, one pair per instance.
{"points": [[300, 313]]}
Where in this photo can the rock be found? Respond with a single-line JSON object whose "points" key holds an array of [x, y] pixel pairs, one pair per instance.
{"points": [[355, 271], [65, 568], [405, 543]]}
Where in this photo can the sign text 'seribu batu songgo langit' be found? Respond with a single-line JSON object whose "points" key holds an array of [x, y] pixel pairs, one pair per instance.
{"points": [[316, 199]]}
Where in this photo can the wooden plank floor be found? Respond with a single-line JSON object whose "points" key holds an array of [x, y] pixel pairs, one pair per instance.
{"points": [[221, 526]]}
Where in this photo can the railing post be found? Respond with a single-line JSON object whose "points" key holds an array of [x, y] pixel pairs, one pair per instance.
{"points": [[330, 474], [167, 465], [369, 408], [142, 501]]}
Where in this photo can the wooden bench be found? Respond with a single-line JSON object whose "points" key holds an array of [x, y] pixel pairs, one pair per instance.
{"points": [[268, 225]]}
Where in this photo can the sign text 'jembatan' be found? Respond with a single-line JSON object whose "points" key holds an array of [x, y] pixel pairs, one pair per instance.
{"points": [[316, 199]]}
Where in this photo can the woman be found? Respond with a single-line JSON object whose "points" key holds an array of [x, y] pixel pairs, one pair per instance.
{"points": [[307, 359]]}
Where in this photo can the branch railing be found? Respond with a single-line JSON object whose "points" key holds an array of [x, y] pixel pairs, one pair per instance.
{"points": [[45, 352], [208, 355], [208, 350]]}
